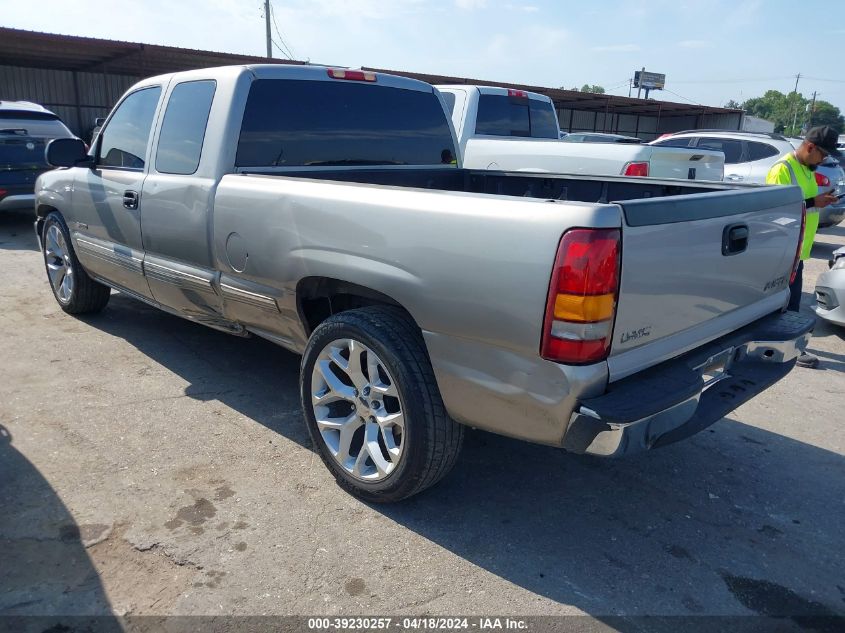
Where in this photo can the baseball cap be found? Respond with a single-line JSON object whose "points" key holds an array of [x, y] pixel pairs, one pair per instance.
{"points": [[826, 138]]}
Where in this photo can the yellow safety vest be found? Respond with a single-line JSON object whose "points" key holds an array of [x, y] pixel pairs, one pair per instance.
{"points": [[788, 171]]}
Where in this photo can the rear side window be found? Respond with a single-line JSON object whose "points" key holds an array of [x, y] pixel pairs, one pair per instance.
{"points": [[674, 142], [32, 124], [502, 115], [732, 149], [759, 151], [289, 123], [183, 129], [123, 142]]}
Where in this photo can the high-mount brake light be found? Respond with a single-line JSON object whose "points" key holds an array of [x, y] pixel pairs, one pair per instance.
{"points": [[517, 93], [351, 75], [635, 169], [582, 297]]}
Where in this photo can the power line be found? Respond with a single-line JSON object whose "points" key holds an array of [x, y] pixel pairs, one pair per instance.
{"points": [[730, 81], [286, 51], [837, 81], [681, 96]]}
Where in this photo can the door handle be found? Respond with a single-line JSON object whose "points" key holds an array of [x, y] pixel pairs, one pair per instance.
{"points": [[130, 199], [734, 239], [734, 177]]}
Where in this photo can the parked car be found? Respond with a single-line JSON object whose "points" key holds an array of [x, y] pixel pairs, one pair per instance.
{"points": [[830, 290], [600, 137], [514, 130], [25, 130], [750, 155], [320, 209]]}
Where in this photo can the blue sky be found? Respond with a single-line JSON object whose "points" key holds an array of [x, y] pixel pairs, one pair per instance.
{"points": [[710, 51]]}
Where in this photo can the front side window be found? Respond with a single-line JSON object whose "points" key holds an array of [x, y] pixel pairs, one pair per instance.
{"points": [[291, 123], [123, 143], [183, 129]]}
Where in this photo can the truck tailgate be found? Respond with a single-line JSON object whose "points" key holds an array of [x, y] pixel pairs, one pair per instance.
{"points": [[675, 162], [697, 267]]}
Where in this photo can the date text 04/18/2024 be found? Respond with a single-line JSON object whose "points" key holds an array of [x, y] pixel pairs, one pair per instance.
{"points": [[416, 623]]}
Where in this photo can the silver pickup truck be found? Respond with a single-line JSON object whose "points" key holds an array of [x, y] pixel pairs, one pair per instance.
{"points": [[326, 210]]}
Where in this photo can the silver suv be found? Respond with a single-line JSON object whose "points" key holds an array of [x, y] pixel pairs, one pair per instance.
{"points": [[750, 155]]}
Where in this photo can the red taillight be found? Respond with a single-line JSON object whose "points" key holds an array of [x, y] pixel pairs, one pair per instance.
{"points": [[518, 93], [800, 243], [822, 180], [352, 75], [3, 192], [635, 169], [582, 297]]}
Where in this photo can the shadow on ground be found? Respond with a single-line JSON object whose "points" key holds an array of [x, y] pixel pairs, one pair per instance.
{"points": [[17, 232], [46, 569]]}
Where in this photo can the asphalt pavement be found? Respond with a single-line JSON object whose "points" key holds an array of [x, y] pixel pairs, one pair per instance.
{"points": [[149, 465]]}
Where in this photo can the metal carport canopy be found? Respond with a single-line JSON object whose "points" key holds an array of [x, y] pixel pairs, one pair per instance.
{"points": [[65, 52]]}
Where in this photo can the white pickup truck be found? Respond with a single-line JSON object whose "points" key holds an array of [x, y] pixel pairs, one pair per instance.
{"points": [[515, 130], [319, 208]]}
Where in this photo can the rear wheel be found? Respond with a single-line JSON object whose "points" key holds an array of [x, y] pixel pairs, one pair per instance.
{"points": [[75, 291], [372, 405]]}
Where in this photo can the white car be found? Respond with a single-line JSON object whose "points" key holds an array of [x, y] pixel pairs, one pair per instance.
{"points": [[830, 290], [750, 155]]}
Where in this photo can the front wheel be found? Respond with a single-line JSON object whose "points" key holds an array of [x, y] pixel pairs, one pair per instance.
{"points": [[372, 405], [75, 291]]}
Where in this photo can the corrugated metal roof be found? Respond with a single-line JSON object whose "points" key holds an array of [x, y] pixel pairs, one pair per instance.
{"points": [[66, 52]]}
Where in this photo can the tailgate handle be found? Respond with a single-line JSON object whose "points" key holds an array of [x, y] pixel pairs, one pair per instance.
{"points": [[734, 239]]}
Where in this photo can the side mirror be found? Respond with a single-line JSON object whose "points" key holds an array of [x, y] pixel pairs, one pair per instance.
{"points": [[67, 152]]}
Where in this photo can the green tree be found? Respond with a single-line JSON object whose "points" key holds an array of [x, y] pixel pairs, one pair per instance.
{"points": [[592, 88], [736, 105], [782, 109], [825, 113]]}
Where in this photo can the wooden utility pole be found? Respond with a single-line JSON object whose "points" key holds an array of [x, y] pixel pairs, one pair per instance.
{"points": [[795, 92], [267, 24]]}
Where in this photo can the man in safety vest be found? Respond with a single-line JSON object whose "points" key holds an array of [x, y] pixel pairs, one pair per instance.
{"points": [[796, 168]]}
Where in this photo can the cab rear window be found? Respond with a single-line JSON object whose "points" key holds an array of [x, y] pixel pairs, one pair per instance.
{"points": [[502, 115], [292, 123]]}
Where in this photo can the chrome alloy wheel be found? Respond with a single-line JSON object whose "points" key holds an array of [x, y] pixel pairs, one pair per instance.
{"points": [[358, 410], [59, 265]]}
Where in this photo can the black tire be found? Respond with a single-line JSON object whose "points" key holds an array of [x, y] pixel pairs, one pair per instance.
{"points": [[431, 439], [86, 296]]}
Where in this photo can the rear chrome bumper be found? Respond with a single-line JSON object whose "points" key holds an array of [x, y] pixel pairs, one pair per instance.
{"points": [[681, 397]]}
